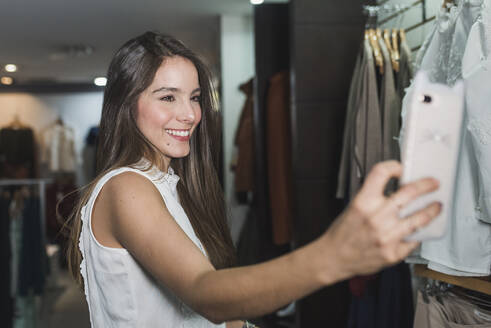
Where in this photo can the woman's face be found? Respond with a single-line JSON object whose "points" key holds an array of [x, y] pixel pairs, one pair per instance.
{"points": [[169, 109]]}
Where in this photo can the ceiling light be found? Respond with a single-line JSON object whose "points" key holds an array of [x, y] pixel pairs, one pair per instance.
{"points": [[100, 81], [257, 2], [6, 80], [11, 68]]}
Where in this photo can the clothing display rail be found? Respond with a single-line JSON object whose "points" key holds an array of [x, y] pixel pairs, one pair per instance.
{"points": [[402, 10], [41, 183], [410, 28], [396, 11], [415, 26], [23, 182], [478, 284]]}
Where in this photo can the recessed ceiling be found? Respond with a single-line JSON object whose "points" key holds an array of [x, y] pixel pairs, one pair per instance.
{"points": [[71, 41]]}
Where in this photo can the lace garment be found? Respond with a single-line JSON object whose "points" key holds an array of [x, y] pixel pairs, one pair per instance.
{"points": [[466, 248]]}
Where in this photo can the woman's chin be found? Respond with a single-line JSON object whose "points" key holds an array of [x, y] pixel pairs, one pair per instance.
{"points": [[179, 154]]}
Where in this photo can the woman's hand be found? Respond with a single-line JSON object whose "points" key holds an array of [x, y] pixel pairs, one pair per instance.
{"points": [[369, 235]]}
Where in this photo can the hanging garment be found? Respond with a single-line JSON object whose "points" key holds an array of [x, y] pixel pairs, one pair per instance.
{"points": [[89, 153], [6, 301], [17, 153], [32, 262], [476, 70], [466, 248], [55, 193], [386, 301], [443, 53], [390, 105], [278, 143], [367, 134], [244, 140], [354, 93], [389, 292], [362, 144], [250, 239], [59, 148], [15, 211], [119, 292], [406, 71], [449, 311], [16, 208], [403, 81]]}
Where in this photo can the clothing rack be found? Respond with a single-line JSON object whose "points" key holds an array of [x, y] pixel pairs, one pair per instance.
{"points": [[23, 182], [373, 11], [410, 28], [478, 284], [41, 183], [396, 10], [418, 25], [401, 11]]}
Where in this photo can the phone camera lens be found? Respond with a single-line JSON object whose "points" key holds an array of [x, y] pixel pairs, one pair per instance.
{"points": [[426, 99]]}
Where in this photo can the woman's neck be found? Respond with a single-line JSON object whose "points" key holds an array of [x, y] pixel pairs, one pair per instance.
{"points": [[161, 162], [164, 164]]}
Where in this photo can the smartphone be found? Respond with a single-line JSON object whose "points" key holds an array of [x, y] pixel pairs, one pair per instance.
{"points": [[431, 147]]}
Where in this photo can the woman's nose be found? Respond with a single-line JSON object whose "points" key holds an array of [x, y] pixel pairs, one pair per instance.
{"points": [[187, 114]]}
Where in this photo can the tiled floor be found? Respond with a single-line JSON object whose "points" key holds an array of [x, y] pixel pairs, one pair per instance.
{"points": [[62, 304], [69, 308]]}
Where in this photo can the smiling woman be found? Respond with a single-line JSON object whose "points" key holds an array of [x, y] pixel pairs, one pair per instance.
{"points": [[154, 250], [158, 105], [169, 109]]}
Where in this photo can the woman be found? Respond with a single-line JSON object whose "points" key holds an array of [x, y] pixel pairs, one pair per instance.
{"points": [[152, 250]]}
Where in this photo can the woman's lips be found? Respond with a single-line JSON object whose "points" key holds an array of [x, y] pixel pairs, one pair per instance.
{"points": [[181, 135]]}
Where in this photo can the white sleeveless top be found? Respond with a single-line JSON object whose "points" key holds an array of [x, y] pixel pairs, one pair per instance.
{"points": [[119, 292]]}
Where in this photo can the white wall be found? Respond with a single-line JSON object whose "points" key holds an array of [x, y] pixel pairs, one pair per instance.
{"points": [[237, 60], [77, 110]]}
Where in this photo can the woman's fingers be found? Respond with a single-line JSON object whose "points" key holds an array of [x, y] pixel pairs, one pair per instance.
{"points": [[386, 216], [410, 192], [395, 229], [379, 176], [371, 195], [421, 218]]}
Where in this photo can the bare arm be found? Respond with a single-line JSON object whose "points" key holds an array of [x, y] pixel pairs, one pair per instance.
{"points": [[235, 324], [366, 237]]}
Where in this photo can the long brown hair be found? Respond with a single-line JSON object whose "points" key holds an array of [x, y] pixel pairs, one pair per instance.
{"points": [[121, 143]]}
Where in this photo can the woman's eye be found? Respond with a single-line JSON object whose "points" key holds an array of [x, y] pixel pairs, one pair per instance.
{"points": [[168, 98], [196, 98]]}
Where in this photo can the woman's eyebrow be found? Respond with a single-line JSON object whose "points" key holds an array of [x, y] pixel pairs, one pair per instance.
{"points": [[173, 90], [166, 89]]}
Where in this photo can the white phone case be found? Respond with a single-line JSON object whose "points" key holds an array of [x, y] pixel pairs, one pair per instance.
{"points": [[431, 148]]}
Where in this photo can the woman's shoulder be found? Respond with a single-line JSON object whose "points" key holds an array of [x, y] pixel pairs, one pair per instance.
{"points": [[121, 196], [132, 182], [127, 179], [128, 192], [121, 182], [127, 174]]}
